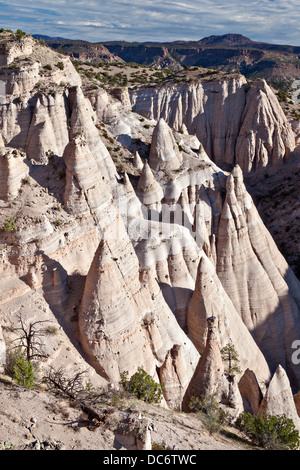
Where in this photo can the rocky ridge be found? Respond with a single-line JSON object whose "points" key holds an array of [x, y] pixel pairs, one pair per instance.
{"points": [[278, 64], [257, 134], [131, 265]]}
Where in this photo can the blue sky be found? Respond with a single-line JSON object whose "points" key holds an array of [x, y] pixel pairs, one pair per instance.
{"points": [[273, 21]]}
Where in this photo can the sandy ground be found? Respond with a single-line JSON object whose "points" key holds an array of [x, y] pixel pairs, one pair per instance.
{"points": [[37, 419]]}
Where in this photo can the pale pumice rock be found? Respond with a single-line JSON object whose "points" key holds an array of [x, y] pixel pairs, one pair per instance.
{"points": [[93, 205], [30, 230], [9, 49], [123, 96], [297, 402], [148, 189], [48, 132], [66, 73], [16, 118], [183, 129], [83, 193], [37, 112], [13, 170], [173, 375], [279, 399], [266, 137], [154, 331], [55, 286], [189, 142], [138, 162], [107, 107], [210, 299], [203, 107], [82, 122], [124, 326], [224, 116], [250, 391], [103, 325], [195, 172], [296, 129], [88, 192], [168, 354], [210, 378], [22, 81], [169, 251], [257, 278], [129, 204], [134, 433], [164, 152]]}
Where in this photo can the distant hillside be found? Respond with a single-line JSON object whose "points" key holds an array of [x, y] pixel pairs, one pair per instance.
{"points": [[80, 50], [47, 38], [279, 64], [238, 40]]}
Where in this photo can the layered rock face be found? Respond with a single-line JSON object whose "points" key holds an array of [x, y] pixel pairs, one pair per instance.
{"points": [[249, 265], [235, 124], [37, 111], [13, 170], [48, 128], [121, 318], [85, 190], [266, 137], [164, 153], [133, 265], [148, 189], [10, 49], [279, 398], [210, 299], [127, 324], [210, 378]]}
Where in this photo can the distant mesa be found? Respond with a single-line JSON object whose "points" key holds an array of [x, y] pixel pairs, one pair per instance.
{"points": [[228, 52], [47, 38], [227, 39]]}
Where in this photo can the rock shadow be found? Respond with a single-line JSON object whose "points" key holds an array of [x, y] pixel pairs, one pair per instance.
{"points": [[63, 294]]}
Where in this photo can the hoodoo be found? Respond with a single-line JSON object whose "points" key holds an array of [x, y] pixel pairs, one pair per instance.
{"points": [[138, 162], [279, 399], [210, 378], [148, 189], [248, 265], [13, 170], [234, 124], [210, 299], [136, 234], [164, 152]]}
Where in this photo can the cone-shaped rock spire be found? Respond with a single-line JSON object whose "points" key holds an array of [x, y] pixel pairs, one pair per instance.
{"points": [[210, 299], [209, 378], [164, 152], [138, 162], [255, 275], [105, 303], [84, 184], [149, 190], [279, 398]]}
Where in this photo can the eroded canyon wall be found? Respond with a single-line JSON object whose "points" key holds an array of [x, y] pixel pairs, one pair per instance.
{"points": [[235, 122], [132, 265]]}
